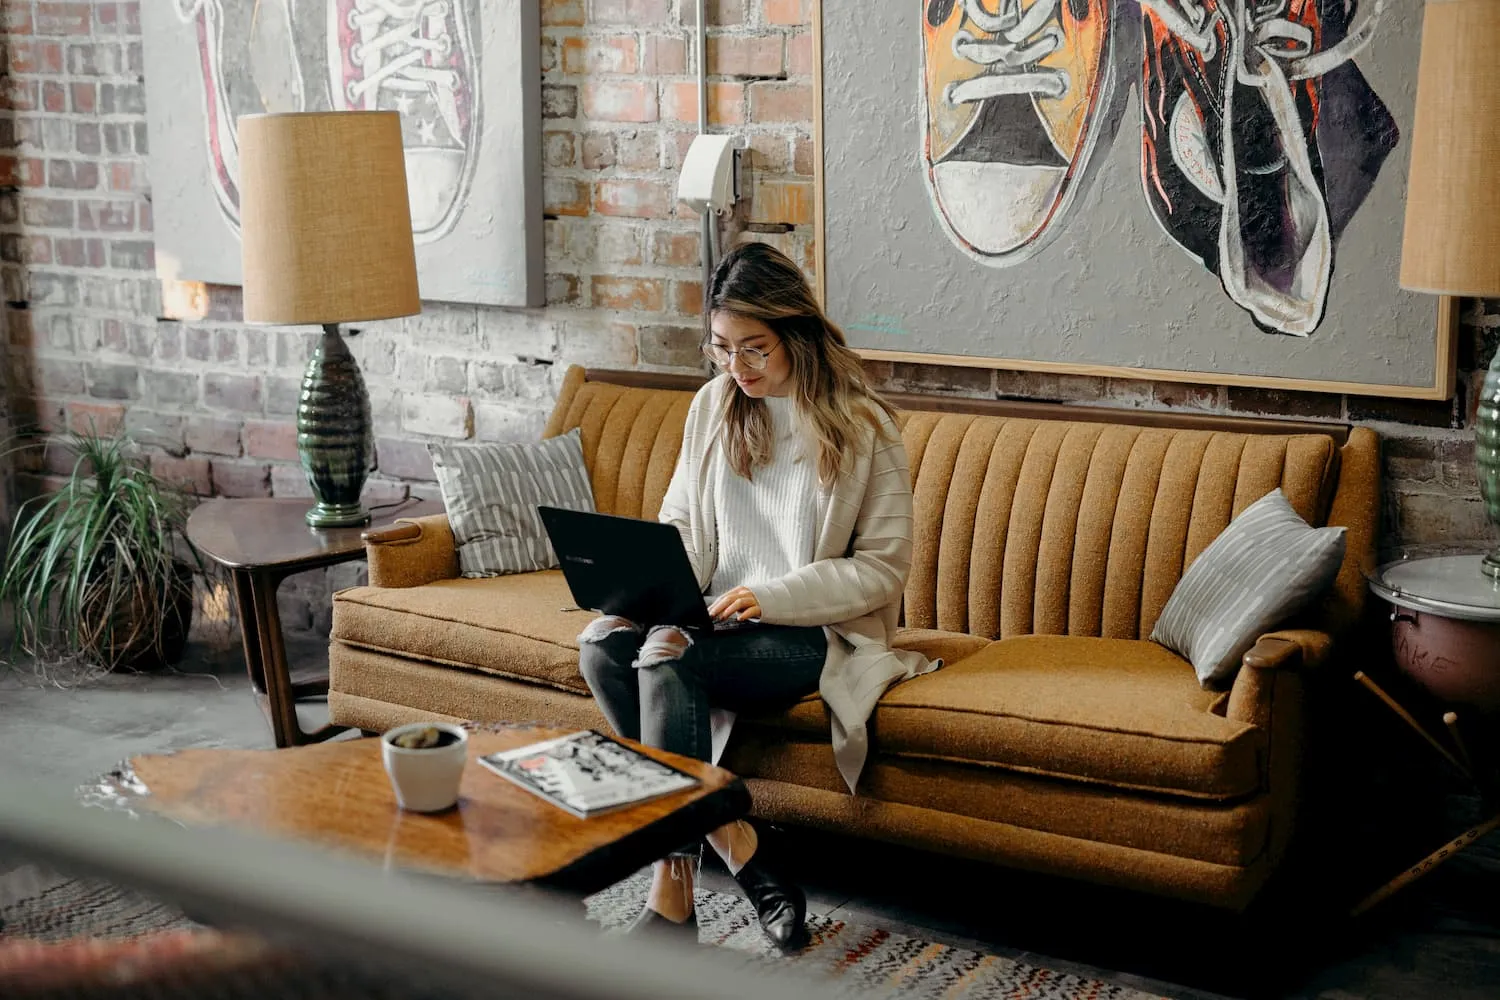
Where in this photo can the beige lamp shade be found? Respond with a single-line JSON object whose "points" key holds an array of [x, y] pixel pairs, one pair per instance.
{"points": [[1452, 237], [324, 218]]}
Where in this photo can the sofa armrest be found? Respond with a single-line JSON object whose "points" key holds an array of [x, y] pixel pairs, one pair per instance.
{"points": [[412, 552], [1277, 660], [1289, 649]]}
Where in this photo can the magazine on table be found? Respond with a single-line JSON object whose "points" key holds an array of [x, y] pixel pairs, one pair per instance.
{"points": [[587, 773]]}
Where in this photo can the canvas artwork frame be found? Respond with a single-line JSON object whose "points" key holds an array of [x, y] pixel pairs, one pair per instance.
{"points": [[976, 206], [464, 74]]}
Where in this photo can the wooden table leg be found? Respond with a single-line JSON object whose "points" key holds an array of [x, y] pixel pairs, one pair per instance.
{"points": [[244, 604], [1428, 863], [1465, 764], [279, 700]]}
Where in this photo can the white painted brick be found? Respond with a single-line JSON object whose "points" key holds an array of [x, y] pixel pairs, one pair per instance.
{"points": [[440, 416], [618, 243], [517, 334], [289, 481], [411, 365], [376, 353], [385, 408], [443, 324], [597, 342], [501, 381], [380, 329], [509, 421]]}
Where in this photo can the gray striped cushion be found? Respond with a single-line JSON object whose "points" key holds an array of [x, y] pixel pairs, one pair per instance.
{"points": [[492, 492], [1265, 567]]}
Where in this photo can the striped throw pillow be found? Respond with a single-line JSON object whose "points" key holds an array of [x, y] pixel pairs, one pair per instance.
{"points": [[1265, 567], [492, 492]]}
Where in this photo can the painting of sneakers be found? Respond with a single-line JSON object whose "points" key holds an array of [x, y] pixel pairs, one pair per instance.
{"points": [[215, 60], [1252, 116], [1016, 96], [1210, 191]]}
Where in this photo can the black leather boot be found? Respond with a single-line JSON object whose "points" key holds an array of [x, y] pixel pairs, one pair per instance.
{"points": [[780, 905]]}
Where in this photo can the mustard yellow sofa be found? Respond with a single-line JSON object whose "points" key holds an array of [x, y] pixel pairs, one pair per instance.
{"points": [[1056, 738]]}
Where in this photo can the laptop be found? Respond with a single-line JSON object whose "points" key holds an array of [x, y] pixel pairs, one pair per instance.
{"points": [[629, 567]]}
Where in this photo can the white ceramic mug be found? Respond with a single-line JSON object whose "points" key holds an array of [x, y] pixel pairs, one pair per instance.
{"points": [[425, 780]]}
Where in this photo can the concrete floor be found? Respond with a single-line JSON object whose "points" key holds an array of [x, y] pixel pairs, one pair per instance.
{"points": [[1441, 939]]}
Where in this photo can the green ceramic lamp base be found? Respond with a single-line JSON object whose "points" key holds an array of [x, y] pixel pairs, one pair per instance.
{"points": [[337, 515], [1487, 454], [333, 433]]}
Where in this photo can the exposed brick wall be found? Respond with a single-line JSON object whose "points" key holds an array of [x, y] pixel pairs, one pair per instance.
{"points": [[92, 336]]}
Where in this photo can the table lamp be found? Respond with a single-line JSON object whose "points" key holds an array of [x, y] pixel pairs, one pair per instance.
{"points": [[326, 239], [1451, 242]]}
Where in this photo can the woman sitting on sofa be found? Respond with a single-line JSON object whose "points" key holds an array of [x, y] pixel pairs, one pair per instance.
{"points": [[793, 497]]}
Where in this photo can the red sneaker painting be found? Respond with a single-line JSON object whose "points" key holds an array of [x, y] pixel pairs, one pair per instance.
{"points": [[1260, 138]]}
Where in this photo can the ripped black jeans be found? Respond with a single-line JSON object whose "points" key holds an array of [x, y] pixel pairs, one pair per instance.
{"points": [[662, 698]]}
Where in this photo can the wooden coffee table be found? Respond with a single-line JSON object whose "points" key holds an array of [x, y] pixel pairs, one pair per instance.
{"points": [[337, 795]]}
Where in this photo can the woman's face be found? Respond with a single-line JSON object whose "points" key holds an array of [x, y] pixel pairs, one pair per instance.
{"points": [[736, 333]]}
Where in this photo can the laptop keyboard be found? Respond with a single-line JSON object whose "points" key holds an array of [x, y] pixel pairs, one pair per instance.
{"points": [[734, 625]]}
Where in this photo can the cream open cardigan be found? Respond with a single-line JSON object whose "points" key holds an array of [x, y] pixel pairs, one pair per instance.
{"points": [[853, 585]]}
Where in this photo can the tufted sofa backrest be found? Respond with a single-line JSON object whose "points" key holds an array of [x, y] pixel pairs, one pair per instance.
{"points": [[1027, 525], [1058, 528], [631, 437]]}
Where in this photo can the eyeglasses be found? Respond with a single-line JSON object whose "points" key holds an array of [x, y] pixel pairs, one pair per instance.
{"points": [[752, 358]]}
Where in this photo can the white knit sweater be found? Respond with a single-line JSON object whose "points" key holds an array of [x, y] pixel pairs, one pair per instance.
{"points": [[852, 586], [768, 523]]}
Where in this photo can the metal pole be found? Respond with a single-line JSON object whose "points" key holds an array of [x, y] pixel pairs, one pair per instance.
{"points": [[700, 45], [709, 228]]}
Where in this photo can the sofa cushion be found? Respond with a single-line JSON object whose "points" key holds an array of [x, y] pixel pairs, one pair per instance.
{"points": [[514, 626], [810, 716], [1121, 712], [1226, 833]]}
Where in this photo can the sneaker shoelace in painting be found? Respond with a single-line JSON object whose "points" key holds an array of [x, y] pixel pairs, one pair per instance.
{"points": [[1274, 40], [399, 41], [1016, 41]]}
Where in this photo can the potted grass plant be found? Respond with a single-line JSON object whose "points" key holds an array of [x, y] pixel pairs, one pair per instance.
{"points": [[101, 571]]}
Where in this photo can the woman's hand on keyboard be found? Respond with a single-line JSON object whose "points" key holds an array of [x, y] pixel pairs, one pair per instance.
{"points": [[738, 604]]}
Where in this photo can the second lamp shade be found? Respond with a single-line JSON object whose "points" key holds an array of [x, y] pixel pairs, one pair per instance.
{"points": [[326, 225], [1452, 238]]}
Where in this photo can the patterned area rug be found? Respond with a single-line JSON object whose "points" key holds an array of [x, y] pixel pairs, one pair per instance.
{"points": [[865, 961], [77, 937]]}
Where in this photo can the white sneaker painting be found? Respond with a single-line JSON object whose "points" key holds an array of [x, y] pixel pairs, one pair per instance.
{"points": [[412, 56], [415, 57]]}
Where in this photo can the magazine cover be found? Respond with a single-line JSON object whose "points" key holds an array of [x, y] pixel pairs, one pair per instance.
{"points": [[587, 773]]}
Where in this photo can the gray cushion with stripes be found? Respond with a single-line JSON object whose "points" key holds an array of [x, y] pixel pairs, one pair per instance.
{"points": [[1262, 569], [492, 492]]}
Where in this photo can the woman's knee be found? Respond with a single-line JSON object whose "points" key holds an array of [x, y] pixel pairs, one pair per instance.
{"points": [[605, 651], [599, 665], [607, 627], [664, 645]]}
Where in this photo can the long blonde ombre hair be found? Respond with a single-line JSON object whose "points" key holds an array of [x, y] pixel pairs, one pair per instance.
{"points": [[829, 389]]}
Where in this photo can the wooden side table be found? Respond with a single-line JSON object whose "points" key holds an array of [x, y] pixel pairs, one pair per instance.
{"points": [[262, 542]]}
